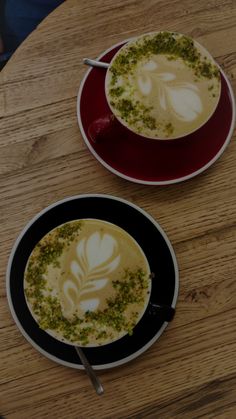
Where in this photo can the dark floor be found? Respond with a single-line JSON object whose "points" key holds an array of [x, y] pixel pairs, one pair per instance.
{"points": [[18, 18]]}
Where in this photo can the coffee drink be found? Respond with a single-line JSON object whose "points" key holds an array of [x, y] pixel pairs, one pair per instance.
{"points": [[163, 85], [87, 282]]}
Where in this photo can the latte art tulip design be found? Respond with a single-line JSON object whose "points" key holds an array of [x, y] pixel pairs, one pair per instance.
{"points": [[96, 257], [180, 98]]}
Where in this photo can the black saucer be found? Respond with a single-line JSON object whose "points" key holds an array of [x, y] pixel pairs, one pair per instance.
{"points": [[156, 247]]}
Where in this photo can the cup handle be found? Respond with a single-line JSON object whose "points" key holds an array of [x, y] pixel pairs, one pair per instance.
{"points": [[101, 127], [167, 312]]}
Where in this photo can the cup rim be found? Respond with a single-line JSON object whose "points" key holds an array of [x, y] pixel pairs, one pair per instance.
{"points": [[202, 50]]}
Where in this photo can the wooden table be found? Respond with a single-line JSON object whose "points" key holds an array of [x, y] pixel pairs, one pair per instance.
{"points": [[190, 372]]}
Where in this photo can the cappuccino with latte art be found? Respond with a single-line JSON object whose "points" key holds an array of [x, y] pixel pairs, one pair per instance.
{"points": [[163, 85], [87, 282]]}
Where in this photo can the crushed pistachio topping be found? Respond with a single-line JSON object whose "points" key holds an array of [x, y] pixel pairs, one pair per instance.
{"points": [[130, 290], [169, 128], [163, 43], [117, 91], [47, 252], [135, 112], [119, 315]]}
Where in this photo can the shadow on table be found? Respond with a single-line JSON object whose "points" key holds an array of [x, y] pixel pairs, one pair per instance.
{"points": [[18, 18]]}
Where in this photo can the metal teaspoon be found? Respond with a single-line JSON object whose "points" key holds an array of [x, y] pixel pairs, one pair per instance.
{"points": [[90, 371], [95, 63]]}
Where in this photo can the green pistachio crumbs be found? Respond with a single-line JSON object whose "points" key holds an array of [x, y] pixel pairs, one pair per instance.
{"points": [[163, 43], [129, 290], [47, 252]]}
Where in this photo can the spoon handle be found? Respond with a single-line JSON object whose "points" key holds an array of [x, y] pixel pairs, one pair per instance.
{"points": [[90, 372], [94, 63]]}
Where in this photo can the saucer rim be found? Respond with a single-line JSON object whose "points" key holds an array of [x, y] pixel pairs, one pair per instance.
{"points": [[8, 288], [153, 182]]}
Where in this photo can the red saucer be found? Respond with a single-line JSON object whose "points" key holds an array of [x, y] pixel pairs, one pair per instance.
{"points": [[147, 161]]}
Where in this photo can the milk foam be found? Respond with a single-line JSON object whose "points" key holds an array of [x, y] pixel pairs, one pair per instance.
{"points": [[97, 258], [181, 99]]}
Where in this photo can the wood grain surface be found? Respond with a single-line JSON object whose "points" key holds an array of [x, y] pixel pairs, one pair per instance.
{"points": [[190, 372]]}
